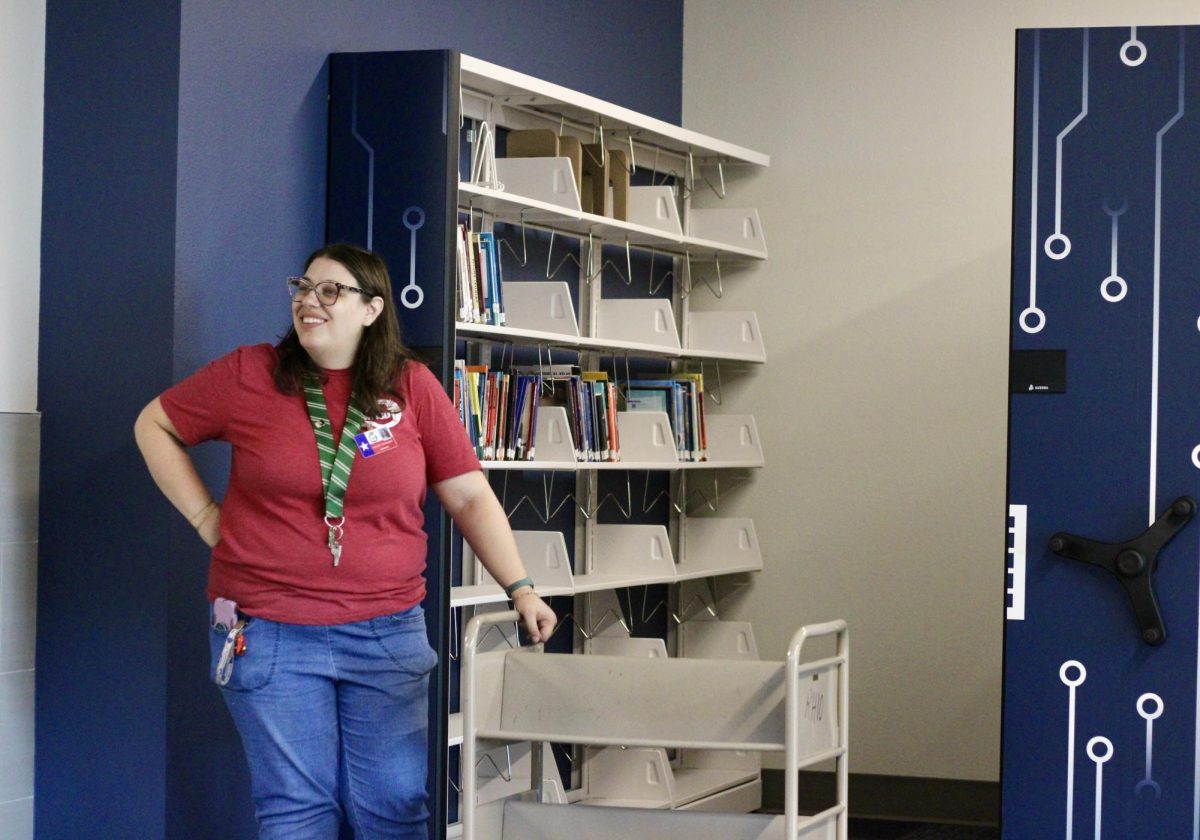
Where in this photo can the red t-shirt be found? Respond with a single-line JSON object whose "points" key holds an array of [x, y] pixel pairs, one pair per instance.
{"points": [[273, 557]]}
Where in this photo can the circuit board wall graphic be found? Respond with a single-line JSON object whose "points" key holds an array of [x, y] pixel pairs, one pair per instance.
{"points": [[1100, 725]]}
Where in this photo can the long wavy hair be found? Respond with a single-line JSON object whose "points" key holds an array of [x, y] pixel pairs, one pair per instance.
{"points": [[381, 354]]}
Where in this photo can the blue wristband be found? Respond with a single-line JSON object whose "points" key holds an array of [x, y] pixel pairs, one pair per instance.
{"points": [[517, 584]]}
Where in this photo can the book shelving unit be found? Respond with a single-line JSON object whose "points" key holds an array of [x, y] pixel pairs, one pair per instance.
{"points": [[405, 133]]}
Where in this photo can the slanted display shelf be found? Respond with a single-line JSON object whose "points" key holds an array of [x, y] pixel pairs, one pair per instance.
{"points": [[515, 208], [541, 312], [625, 555]]}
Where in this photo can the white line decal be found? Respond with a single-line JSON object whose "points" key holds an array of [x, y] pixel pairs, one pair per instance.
{"points": [[1148, 783], [1058, 245], [1032, 312], [1113, 278], [1158, 144], [1099, 759], [1133, 45], [1072, 684]]}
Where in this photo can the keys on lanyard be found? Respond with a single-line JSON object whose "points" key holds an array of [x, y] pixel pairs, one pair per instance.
{"points": [[235, 645], [335, 537]]}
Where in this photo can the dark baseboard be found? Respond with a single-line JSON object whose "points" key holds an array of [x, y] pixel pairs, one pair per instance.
{"points": [[900, 798]]}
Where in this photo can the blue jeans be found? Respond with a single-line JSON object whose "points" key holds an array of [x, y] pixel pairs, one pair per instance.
{"points": [[334, 717]]}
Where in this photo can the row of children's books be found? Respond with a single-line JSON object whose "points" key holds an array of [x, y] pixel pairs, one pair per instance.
{"points": [[479, 292], [499, 409]]}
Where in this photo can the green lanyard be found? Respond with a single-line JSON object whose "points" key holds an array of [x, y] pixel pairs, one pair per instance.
{"points": [[335, 463]]}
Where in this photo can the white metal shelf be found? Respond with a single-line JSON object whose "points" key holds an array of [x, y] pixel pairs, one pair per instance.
{"points": [[509, 86], [517, 335], [718, 546]]}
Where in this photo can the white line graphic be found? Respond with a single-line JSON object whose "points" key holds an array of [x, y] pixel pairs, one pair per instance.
{"points": [[1113, 278], [1196, 782], [1148, 783], [1058, 245], [1017, 516], [1032, 312], [1133, 45], [1158, 144], [362, 141], [1072, 684], [1100, 759]]}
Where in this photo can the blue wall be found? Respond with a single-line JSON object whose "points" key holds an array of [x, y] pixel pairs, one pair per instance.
{"points": [[184, 179]]}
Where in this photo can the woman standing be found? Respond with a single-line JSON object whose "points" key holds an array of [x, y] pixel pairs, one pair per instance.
{"points": [[318, 637]]}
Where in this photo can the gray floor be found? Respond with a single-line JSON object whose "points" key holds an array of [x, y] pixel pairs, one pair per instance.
{"points": [[880, 830]]}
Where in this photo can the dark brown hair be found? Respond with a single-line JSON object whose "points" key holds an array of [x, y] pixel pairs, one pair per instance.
{"points": [[381, 355]]}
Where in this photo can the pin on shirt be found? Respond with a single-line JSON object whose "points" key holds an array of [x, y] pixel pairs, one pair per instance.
{"points": [[377, 438]]}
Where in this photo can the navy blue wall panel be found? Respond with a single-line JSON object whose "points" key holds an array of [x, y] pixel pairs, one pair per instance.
{"points": [[1100, 735], [186, 163], [108, 261]]}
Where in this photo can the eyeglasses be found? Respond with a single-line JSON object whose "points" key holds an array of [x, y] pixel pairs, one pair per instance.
{"points": [[327, 290]]}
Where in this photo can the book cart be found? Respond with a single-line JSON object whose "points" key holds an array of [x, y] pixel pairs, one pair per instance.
{"points": [[413, 149], [635, 702]]}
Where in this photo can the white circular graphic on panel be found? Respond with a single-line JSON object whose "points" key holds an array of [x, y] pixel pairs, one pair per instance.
{"points": [[1057, 246], [1080, 673], [1038, 316], [1133, 52], [1092, 751], [1119, 294]]}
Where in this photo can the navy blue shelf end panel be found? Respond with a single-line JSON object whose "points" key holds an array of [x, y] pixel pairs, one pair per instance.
{"points": [[1100, 720], [393, 187]]}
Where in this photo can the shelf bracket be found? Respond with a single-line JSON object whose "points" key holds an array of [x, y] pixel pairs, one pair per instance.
{"points": [[668, 276], [719, 192], [718, 292], [523, 258]]}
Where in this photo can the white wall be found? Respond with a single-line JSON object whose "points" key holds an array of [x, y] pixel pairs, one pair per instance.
{"points": [[884, 305], [22, 71]]}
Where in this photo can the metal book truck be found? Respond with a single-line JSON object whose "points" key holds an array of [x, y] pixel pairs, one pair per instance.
{"points": [[665, 745]]}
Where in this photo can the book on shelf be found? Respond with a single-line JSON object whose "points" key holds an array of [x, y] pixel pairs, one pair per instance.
{"points": [[479, 292], [681, 398], [602, 402]]}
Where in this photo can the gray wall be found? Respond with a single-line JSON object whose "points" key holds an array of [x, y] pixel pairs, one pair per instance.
{"points": [[884, 306], [18, 606], [22, 41]]}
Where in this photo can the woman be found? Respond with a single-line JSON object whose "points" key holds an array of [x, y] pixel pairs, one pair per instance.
{"points": [[318, 637]]}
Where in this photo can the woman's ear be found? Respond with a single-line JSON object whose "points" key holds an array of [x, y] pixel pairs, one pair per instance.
{"points": [[374, 310]]}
